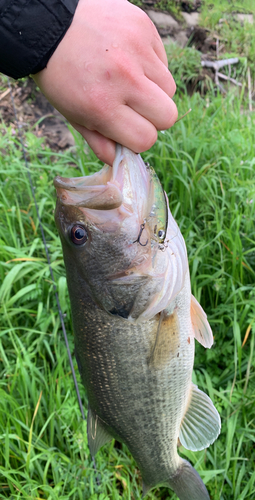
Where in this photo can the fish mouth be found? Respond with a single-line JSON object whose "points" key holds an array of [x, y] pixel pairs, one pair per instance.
{"points": [[125, 184], [124, 208], [94, 192]]}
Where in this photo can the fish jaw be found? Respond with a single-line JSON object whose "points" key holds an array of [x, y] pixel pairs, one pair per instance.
{"points": [[92, 192], [115, 207], [132, 176], [112, 219], [123, 191]]}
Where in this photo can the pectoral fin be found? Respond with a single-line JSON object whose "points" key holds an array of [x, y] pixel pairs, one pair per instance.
{"points": [[201, 423], [166, 341], [201, 327], [97, 435]]}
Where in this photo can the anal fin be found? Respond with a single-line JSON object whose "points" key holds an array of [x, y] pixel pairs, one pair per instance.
{"points": [[201, 327], [201, 423], [97, 435]]}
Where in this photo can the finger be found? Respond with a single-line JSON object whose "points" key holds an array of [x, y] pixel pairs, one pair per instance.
{"points": [[129, 128], [103, 147], [154, 105], [157, 72], [126, 127]]}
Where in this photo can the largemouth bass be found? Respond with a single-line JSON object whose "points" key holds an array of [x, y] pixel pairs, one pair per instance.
{"points": [[135, 321]]}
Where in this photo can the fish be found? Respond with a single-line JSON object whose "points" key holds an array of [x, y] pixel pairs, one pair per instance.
{"points": [[135, 321]]}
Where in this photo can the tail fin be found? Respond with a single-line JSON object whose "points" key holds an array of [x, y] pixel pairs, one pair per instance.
{"points": [[187, 484]]}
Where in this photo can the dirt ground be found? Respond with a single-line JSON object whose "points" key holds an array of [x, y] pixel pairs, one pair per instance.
{"points": [[34, 112]]}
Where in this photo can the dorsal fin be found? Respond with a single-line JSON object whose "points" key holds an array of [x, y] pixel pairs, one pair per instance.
{"points": [[201, 327]]}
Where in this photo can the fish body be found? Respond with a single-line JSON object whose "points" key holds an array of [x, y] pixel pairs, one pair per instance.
{"points": [[135, 321]]}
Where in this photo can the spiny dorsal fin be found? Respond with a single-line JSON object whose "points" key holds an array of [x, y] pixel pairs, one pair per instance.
{"points": [[97, 435], [201, 423], [202, 329]]}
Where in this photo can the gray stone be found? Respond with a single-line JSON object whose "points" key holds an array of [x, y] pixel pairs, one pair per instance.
{"points": [[191, 19], [181, 38], [162, 20], [167, 40], [244, 18]]}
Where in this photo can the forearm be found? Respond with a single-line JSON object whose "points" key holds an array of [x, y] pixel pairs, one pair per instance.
{"points": [[30, 31]]}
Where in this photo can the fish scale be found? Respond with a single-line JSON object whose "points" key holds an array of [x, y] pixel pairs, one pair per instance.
{"points": [[135, 321], [116, 387]]}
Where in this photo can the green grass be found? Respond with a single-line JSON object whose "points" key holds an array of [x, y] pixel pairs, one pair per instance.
{"points": [[213, 11], [185, 65], [206, 163]]}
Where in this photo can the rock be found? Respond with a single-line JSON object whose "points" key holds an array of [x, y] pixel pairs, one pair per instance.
{"points": [[244, 18], [181, 38], [178, 37], [191, 19], [167, 40], [238, 17], [161, 19]]}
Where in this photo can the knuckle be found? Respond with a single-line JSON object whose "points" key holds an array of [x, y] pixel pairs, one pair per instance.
{"points": [[141, 16]]}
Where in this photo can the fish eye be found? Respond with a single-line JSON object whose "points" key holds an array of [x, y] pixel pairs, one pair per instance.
{"points": [[78, 234], [161, 234]]}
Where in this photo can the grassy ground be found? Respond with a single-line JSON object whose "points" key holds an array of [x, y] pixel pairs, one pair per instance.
{"points": [[206, 163], [236, 37]]}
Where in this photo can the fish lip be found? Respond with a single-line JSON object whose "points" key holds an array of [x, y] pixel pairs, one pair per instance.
{"points": [[92, 192], [121, 186], [132, 175], [62, 182], [119, 156], [68, 183]]}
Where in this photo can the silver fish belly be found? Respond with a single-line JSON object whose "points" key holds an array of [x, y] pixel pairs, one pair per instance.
{"points": [[135, 321]]}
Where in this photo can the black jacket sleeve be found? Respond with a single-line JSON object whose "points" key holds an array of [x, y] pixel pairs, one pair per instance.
{"points": [[30, 31]]}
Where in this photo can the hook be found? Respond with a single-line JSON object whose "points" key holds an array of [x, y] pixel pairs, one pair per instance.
{"points": [[139, 236]]}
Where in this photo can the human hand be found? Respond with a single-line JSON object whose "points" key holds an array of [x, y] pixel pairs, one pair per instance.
{"points": [[109, 78]]}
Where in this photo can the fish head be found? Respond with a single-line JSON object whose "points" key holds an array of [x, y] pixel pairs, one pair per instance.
{"points": [[121, 245]]}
